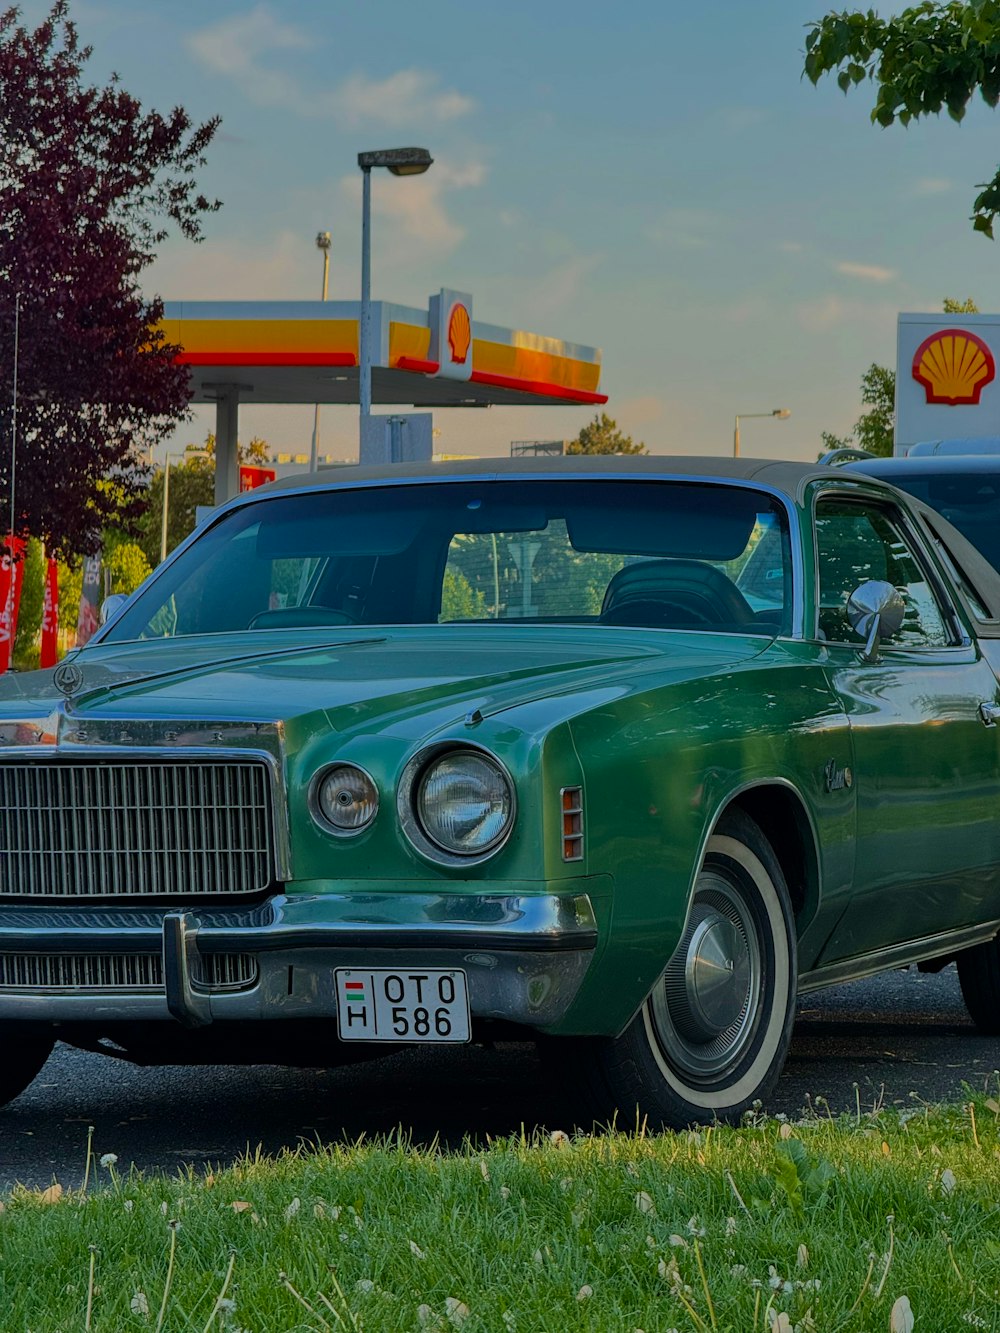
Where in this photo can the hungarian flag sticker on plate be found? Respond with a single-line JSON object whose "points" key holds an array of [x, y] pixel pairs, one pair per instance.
{"points": [[385, 1004]]}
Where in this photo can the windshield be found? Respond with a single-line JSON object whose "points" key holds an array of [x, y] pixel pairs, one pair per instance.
{"points": [[664, 555]]}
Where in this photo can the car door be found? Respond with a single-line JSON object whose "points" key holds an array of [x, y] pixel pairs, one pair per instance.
{"points": [[925, 770]]}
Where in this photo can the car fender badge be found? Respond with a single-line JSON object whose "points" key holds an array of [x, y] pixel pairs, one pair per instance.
{"points": [[837, 779]]}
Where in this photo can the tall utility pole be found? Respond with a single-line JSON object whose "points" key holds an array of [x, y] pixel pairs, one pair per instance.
{"points": [[322, 243]]}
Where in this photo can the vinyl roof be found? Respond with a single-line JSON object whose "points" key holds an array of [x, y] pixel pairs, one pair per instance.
{"points": [[789, 477]]}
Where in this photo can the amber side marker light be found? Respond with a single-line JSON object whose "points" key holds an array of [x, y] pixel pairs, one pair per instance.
{"points": [[571, 799]]}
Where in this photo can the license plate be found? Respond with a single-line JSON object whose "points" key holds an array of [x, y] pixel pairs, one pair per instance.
{"points": [[395, 1004]]}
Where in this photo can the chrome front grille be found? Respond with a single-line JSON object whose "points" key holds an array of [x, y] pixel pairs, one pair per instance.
{"points": [[117, 972], [134, 829]]}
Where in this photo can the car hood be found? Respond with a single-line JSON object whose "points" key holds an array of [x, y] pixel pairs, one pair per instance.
{"points": [[355, 678]]}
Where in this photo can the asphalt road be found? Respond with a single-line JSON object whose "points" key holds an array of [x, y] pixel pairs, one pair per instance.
{"points": [[903, 1039]]}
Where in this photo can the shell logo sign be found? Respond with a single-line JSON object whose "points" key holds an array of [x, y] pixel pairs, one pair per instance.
{"points": [[954, 366], [452, 344], [459, 333]]}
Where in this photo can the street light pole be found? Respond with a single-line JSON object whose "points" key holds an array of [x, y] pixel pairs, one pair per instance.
{"points": [[365, 332], [322, 243], [401, 162], [782, 414], [186, 453]]}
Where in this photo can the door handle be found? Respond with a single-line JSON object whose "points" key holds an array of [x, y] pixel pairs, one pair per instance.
{"points": [[989, 714]]}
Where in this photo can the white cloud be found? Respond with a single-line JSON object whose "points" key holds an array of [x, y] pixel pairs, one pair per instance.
{"points": [[828, 312], [233, 47], [932, 185], [686, 227], [867, 272], [416, 206], [791, 247], [241, 48], [556, 289], [739, 118], [404, 97], [216, 270]]}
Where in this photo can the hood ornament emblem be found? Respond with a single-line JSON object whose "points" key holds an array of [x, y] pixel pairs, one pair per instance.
{"points": [[67, 677]]}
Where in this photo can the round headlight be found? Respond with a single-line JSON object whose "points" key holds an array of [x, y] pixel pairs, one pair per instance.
{"points": [[464, 803], [346, 798]]}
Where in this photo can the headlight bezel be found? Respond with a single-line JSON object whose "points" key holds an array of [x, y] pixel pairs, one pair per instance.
{"points": [[316, 805], [407, 798]]}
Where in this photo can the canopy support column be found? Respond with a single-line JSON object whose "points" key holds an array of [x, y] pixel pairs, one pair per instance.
{"points": [[227, 430]]}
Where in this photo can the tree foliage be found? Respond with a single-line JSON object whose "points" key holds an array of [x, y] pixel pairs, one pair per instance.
{"points": [[602, 436], [127, 566], [192, 483], [873, 430], [89, 184], [932, 57], [966, 307], [29, 618]]}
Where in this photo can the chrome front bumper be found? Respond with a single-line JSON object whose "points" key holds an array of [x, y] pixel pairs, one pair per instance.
{"points": [[525, 956]]}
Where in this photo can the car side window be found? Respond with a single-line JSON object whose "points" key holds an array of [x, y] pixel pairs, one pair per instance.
{"points": [[856, 542]]}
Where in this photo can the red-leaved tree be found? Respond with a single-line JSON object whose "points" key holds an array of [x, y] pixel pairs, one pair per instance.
{"points": [[89, 185]]}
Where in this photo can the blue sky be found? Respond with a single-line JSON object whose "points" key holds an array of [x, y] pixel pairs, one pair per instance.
{"points": [[656, 179]]}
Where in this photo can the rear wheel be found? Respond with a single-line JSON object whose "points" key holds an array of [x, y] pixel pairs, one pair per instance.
{"points": [[712, 1036], [979, 977], [25, 1051]]}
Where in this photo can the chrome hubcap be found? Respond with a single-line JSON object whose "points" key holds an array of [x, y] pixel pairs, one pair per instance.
{"points": [[704, 1011]]}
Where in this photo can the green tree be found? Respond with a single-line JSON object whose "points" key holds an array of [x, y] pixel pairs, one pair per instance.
{"points": [[933, 56], [70, 588], [602, 436], [966, 307], [873, 430], [126, 566], [192, 483], [90, 185], [29, 616], [459, 600]]}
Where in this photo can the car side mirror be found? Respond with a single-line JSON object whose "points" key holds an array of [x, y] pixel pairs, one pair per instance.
{"points": [[875, 610], [111, 605]]}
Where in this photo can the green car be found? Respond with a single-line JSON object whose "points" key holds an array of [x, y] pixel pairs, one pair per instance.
{"points": [[621, 755]]}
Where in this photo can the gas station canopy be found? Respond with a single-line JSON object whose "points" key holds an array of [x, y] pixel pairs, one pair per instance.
{"points": [[308, 352]]}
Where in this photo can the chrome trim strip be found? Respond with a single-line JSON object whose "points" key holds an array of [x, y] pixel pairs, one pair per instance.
{"points": [[898, 955], [542, 923]]}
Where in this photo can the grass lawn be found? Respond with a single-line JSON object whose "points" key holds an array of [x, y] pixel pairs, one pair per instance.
{"points": [[878, 1221]]}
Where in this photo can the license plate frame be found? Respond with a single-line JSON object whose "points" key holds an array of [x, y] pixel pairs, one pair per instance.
{"points": [[409, 1005]]}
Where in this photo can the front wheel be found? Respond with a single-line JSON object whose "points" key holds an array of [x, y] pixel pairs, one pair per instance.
{"points": [[712, 1036], [26, 1049], [979, 977]]}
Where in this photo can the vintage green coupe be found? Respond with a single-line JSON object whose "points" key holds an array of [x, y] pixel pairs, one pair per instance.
{"points": [[620, 754]]}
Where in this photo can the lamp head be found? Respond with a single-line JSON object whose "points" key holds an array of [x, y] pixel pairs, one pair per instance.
{"points": [[400, 161], [323, 240], [782, 413]]}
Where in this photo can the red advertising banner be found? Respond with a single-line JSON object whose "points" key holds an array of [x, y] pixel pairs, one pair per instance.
{"points": [[87, 620], [252, 477], [50, 616], [11, 576]]}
